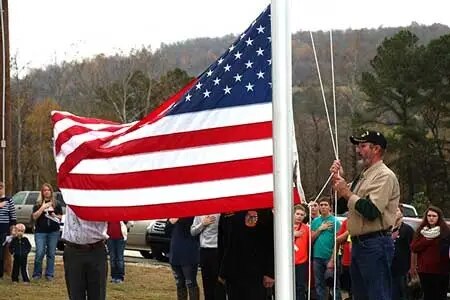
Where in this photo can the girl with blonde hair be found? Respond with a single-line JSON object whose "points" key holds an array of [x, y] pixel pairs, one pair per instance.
{"points": [[47, 214]]}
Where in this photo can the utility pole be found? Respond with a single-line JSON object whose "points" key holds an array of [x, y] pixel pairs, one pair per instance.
{"points": [[5, 111]]}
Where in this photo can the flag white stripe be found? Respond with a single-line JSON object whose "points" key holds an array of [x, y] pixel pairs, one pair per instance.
{"points": [[170, 194], [222, 117], [176, 158], [65, 124], [230, 116], [74, 142]]}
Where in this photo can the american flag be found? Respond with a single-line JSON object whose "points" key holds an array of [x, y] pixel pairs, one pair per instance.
{"points": [[207, 149]]}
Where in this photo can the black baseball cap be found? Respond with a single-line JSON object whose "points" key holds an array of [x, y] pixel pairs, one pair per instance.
{"points": [[374, 137]]}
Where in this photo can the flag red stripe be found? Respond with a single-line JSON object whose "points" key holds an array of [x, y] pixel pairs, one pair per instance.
{"points": [[190, 139], [75, 157], [172, 176], [76, 130], [181, 209], [221, 135]]}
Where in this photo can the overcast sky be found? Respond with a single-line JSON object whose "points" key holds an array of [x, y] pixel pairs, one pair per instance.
{"points": [[48, 31]]}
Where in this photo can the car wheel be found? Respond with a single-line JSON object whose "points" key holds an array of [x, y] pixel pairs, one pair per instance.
{"points": [[146, 254]]}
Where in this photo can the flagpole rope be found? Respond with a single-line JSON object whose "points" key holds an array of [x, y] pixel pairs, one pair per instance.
{"points": [[334, 141], [337, 157], [323, 93], [309, 253]]}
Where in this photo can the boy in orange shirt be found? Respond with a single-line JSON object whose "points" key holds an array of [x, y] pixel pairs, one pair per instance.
{"points": [[301, 240]]}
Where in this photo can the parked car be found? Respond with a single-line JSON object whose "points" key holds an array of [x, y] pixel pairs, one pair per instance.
{"points": [[24, 202], [409, 211], [149, 238]]}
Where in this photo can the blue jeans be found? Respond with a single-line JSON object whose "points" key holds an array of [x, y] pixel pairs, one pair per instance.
{"points": [[371, 268], [185, 276], [320, 267], [116, 248], [45, 245]]}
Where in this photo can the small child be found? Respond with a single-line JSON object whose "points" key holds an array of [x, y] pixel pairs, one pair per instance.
{"points": [[20, 247]]}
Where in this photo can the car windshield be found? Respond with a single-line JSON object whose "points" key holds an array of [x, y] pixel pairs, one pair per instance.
{"points": [[19, 197]]}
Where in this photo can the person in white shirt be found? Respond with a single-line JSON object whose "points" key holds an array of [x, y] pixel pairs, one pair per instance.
{"points": [[207, 227], [85, 260]]}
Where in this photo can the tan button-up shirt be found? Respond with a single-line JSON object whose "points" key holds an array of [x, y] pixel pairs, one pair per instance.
{"points": [[379, 184]]}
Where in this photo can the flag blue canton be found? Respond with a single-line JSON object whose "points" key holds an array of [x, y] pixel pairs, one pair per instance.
{"points": [[241, 76]]}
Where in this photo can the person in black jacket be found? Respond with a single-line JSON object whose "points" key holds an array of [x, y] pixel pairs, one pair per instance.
{"points": [[247, 266], [20, 247], [402, 234]]}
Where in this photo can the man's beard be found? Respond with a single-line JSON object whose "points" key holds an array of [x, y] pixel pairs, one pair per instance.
{"points": [[362, 163]]}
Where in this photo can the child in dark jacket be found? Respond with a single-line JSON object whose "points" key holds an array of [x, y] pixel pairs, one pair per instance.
{"points": [[20, 247]]}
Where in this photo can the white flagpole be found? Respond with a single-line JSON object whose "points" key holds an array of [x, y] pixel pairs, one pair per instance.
{"points": [[282, 145]]}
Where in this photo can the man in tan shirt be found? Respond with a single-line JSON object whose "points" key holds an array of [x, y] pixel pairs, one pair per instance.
{"points": [[372, 200]]}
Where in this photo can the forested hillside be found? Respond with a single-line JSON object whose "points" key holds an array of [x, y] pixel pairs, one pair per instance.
{"points": [[126, 86]]}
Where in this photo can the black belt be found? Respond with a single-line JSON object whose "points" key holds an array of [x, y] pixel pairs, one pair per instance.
{"points": [[363, 237], [95, 245]]}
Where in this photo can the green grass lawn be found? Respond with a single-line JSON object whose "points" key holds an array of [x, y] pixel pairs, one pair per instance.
{"points": [[142, 281]]}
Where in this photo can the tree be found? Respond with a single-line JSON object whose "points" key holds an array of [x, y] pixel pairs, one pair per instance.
{"points": [[394, 100], [37, 150], [124, 99], [20, 96], [435, 114], [132, 98], [168, 84], [407, 95]]}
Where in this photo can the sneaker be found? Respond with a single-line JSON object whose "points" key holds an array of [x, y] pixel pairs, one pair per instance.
{"points": [[49, 278], [119, 280], [36, 277]]}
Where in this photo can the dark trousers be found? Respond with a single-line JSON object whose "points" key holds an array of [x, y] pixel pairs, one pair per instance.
{"points": [[371, 268], [301, 271], [20, 265], [399, 289], [85, 272], [434, 286], [250, 289], [346, 281], [2, 239], [209, 263]]}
